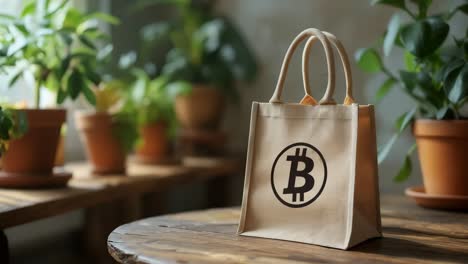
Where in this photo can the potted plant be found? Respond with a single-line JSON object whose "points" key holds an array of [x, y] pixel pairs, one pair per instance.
{"points": [[56, 45], [435, 76], [206, 57], [153, 107], [150, 103], [109, 132]]}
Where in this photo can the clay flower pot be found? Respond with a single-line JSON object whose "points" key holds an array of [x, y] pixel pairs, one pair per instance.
{"points": [[202, 108], [103, 149], [443, 149], [154, 147], [34, 153]]}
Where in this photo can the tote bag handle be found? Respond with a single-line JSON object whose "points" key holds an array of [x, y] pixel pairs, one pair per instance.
{"points": [[346, 67], [310, 32]]}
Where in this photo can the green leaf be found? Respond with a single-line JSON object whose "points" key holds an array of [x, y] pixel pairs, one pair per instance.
{"points": [[17, 46], [368, 60], [450, 70], [87, 42], [409, 80], [29, 9], [410, 62], [178, 67], [155, 31], [61, 96], [92, 75], [404, 120], [413, 80], [450, 73], [395, 3], [87, 26], [57, 8], [89, 95], [75, 84], [442, 113], [463, 8], [392, 33], [128, 59], [460, 87], [15, 78], [104, 52], [82, 52], [384, 89], [103, 17], [385, 149], [73, 18], [405, 170], [52, 82], [424, 37], [140, 85]]}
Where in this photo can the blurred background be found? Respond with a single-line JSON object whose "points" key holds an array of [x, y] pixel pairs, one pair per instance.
{"points": [[268, 27]]}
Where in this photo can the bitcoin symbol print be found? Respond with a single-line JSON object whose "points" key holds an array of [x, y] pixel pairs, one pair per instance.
{"points": [[301, 177], [293, 173]]}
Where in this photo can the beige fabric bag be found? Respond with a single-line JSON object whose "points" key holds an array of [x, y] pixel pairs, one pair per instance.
{"points": [[311, 173]]}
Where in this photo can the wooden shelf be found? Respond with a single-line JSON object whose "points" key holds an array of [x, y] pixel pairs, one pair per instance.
{"points": [[84, 190]]}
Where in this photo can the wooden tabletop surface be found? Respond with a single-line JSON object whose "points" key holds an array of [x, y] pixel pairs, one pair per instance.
{"points": [[23, 206], [411, 235]]}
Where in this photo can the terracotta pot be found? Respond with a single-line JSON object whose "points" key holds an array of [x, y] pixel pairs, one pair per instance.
{"points": [[155, 145], [34, 153], [103, 149], [443, 150], [202, 108]]}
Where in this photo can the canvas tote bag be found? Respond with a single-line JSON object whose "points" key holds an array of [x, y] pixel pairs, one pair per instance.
{"points": [[311, 171]]}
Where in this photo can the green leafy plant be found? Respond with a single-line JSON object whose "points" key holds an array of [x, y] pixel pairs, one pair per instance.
{"points": [[205, 48], [435, 75], [58, 44], [151, 101], [12, 125], [110, 99]]}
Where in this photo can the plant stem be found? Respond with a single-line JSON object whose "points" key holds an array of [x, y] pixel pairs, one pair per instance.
{"points": [[37, 93]]}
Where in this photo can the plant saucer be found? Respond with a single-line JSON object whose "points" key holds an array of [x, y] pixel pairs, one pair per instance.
{"points": [[56, 179], [437, 201]]}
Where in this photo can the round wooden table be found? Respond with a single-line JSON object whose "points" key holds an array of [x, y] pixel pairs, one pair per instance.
{"points": [[412, 235]]}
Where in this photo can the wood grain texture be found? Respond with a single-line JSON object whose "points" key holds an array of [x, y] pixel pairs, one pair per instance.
{"points": [[411, 235], [85, 190]]}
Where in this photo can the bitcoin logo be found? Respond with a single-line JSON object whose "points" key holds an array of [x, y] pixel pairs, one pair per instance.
{"points": [[293, 173], [300, 172]]}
